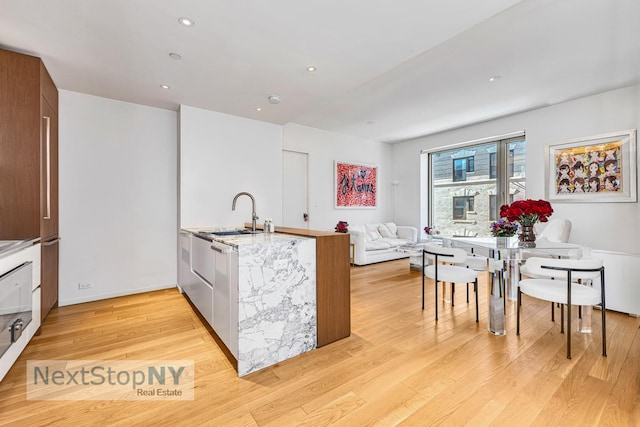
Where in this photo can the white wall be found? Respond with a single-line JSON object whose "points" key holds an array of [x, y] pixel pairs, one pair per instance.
{"points": [[222, 155], [324, 148], [608, 226], [118, 197]]}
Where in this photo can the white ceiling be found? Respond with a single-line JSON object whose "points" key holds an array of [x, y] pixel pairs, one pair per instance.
{"points": [[385, 70]]}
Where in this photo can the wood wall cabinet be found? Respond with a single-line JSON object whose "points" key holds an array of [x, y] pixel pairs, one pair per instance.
{"points": [[29, 162]]}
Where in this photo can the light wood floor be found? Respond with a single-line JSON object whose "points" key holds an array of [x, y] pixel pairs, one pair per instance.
{"points": [[398, 366]]}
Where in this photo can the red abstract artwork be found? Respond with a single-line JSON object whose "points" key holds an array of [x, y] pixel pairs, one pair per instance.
{"points": [[356, 185]]}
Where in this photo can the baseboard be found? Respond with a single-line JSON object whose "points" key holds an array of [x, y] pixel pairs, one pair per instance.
{"points": [[123, 293]]}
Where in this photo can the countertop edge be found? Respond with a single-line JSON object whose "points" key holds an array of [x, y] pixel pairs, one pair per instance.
{"points": [[18, 246]]}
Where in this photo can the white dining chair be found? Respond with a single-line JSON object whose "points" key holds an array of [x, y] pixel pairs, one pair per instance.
{"points": [[556, 231], [447, 272], [475, 262], [564, 289]]}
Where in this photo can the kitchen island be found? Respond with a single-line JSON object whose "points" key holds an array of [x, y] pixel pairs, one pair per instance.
{"points": [[256, 291]]}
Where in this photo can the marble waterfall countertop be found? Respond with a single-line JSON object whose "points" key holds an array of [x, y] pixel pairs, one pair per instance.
{"points": [[276, 296]]}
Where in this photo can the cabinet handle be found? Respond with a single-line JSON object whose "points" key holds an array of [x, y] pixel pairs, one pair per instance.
{"points": [[222, 251], [52, 242], [47, 120]]}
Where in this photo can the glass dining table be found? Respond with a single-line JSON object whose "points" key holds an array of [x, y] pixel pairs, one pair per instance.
{"points": [[504, 257]]}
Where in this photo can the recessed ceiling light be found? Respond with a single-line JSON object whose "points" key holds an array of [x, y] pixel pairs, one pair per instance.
{"points": [[494, 78], [311, 69], [273, 99], [164, 86], [186, 22], [258, 109], [175, 56]]}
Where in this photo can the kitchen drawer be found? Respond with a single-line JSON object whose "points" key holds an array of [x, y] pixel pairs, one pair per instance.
{"points": [[203, 260], [201, 295]]}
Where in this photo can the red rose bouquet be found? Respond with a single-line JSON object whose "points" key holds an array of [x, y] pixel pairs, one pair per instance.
{"points": [[431, 231], [342, 227], [527, 212]]}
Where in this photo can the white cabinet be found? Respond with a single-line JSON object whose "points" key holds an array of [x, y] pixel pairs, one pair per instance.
{"points": [[186, 278], [224, 289], [200, 290], [203, 260], [209, 277], [622, 290]]}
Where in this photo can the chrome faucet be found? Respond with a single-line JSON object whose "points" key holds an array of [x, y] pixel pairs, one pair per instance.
{"points": [[254, 217]]}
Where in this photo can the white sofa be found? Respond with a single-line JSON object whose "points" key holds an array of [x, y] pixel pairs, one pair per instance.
{"points": [[377, 242]]}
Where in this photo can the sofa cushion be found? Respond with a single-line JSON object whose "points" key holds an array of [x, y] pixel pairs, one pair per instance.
{"points": [[372, 227], [377, 245], [384, 231], [393, 228], [394, 243], [372, 236]]}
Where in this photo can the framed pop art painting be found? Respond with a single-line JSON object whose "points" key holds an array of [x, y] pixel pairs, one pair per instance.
{"points": [[356, 185], [599, 168]]}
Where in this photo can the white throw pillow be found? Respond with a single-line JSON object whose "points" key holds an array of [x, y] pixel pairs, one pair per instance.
{"points": [[371, 227], [372, 236], [384, 231], [393, 228]]}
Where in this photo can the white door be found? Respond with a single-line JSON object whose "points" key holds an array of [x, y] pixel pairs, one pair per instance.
{"points": [[295, 208]]}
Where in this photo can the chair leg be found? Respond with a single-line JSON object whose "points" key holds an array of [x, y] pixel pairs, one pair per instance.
{"points": [[518, 308], [453, 294], [604, 311], [568, 331], [579, 312], [436, 302], [553, 313], [604, 332], [467, 293], [562, 318], [423, 291], [475, 288]]}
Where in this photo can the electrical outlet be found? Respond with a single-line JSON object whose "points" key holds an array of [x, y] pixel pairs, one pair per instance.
{"points": [[83, 286]]}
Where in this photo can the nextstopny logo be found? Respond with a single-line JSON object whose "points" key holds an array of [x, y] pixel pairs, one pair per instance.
{"points": [[110, 379]]}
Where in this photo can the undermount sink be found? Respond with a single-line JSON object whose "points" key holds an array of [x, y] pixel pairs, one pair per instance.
{"points": [[232, 232]]}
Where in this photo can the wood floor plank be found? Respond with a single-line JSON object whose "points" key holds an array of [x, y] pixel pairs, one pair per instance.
{"points": [[398, 367]]}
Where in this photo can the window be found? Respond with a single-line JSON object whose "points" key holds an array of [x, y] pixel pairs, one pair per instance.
{"points": [[492, 165], [461, 167], [462, 205], [494, 209], [511, 157], [454, 200]]}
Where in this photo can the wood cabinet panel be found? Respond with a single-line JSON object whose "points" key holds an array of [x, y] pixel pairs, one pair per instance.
{"points": [[49, 278], [333, 288], [48, 170], [19, 145]]}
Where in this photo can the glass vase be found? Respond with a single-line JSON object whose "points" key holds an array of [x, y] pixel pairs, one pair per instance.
{"points": [[502, 242], [527, 237]]}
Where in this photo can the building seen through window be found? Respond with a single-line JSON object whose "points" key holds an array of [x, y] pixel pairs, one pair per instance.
{"points": [[467, 185]]}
